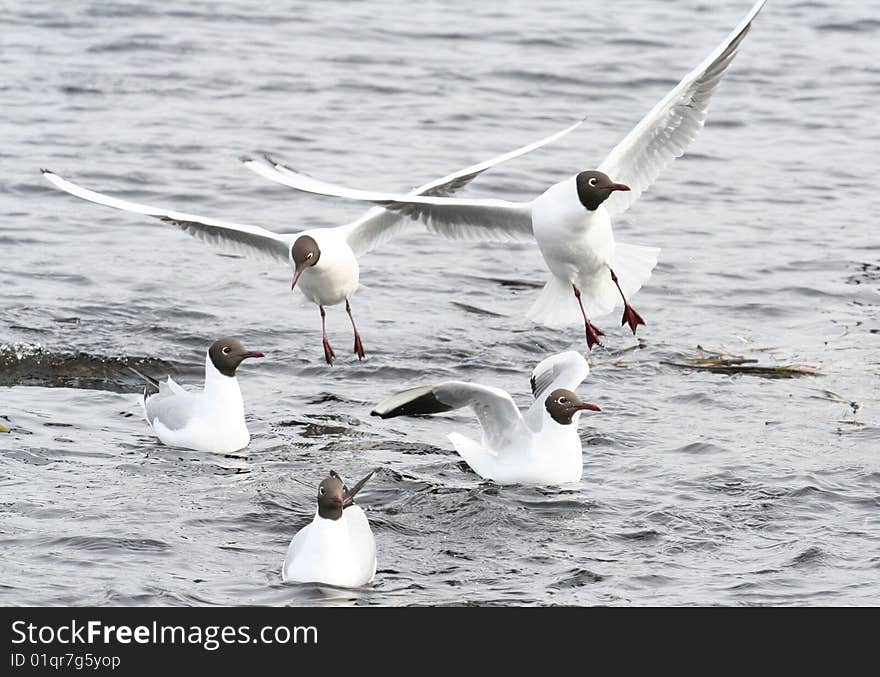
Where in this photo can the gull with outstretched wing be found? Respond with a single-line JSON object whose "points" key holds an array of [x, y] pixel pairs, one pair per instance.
{"points": [[591, 274], [324, 260]]}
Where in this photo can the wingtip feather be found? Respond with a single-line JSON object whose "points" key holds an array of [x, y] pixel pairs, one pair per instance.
{"points": [[413, 402]]}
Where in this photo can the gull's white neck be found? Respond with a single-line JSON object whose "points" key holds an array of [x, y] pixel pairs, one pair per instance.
{"points": [[221, 388], [559, 210]]}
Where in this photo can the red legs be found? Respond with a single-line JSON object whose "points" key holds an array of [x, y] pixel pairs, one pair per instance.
{"points": [[593, 332], [358, 346], [630, 316], [328, 351]]}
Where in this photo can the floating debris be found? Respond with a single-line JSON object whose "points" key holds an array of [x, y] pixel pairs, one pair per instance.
{"points": [[3, 428], [475, 310], [726, 363]]}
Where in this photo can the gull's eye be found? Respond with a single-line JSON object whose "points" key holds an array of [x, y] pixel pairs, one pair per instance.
{"points": [[309, 255], [593, 181], [227, 350], [321, 491], [562, 400], [344, 489]]}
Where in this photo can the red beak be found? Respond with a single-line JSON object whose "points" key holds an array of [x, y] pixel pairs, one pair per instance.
{"points": [[587, 406], [296, 278], [253, 353], [619, 186]]}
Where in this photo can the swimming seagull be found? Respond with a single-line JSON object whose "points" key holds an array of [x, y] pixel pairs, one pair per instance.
{"points": [[571, 220], [542, 447], [211, 420], [324, 260], [337, 547]]}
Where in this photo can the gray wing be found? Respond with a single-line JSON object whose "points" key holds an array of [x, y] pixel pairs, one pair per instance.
{"points": [[249, 239], [485, 219], [378, 225], [669, 128], [563, 370], [172, 406], [498, 414]]}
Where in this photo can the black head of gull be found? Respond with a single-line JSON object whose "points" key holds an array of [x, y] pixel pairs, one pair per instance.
{"points": [[227, 353], [594, 187], [305, 253], [563, 404], [334, 495]]}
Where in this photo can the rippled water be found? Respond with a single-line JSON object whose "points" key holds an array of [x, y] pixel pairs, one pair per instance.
{"points": [[699, 487]]}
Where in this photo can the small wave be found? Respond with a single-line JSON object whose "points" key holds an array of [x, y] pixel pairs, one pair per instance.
{"points": [[532, 41], [700, 448], [109, 543], [541, 77], [73, 90], [856, 26], [577, 578], [637, 42], [808, 556], [641, 535]]}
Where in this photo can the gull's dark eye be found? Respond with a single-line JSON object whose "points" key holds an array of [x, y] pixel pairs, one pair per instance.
{"points": [[227, 350], [321, 490], [562, 400], [593, 181], [309, 255], [344, 489]]}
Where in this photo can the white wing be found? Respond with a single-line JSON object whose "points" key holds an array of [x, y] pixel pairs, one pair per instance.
{"points": [[495, 409], [563, 370], [378, 225], [452, 217], [252, 239], [668, 129]]}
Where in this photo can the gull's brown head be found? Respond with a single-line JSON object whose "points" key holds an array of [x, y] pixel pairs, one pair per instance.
{"points": [[304, 253], [334, 495], [594, 187], [227, 353], [563, 404]]}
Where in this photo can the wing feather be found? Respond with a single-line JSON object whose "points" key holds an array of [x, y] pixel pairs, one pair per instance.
{"points": [[472, 219], [669, 128], [496, 411], [239, 237]]}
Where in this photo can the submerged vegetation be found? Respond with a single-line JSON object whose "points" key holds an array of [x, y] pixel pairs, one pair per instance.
{"points": [[722, 362]]}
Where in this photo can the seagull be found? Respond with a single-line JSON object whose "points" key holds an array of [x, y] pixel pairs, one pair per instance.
{"points": [[571, 220], [541, 447], [324, 260], [337, 547], [211, 420]]}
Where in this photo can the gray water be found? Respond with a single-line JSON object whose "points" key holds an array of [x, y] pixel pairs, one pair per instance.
{"points": [[699, 487]]}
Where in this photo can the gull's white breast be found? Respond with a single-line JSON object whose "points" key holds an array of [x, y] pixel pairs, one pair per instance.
{"points": [[576, 244], [334, 278], [335, 552]]}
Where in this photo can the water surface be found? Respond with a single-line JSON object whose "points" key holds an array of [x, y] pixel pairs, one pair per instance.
{"points": [[699, 488]]}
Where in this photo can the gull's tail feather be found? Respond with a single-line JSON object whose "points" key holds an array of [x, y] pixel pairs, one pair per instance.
{"points": [[149, 380], [557, 306], [633, 264], [476, 455]]}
